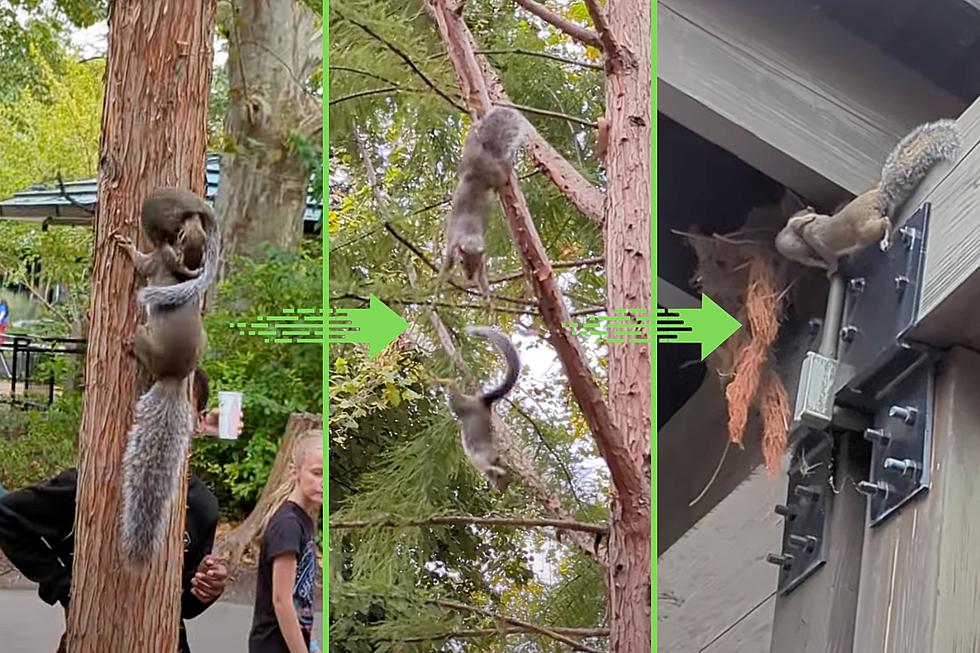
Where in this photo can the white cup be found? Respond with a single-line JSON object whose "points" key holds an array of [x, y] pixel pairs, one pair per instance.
{"points": [[229, 414]]}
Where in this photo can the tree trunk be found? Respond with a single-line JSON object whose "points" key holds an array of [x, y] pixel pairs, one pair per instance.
{"points": [[241, 540], [273, 48], [628, 262], [153, 133]]}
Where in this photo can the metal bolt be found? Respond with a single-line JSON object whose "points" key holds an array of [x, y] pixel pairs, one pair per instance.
{"points": [[856, 284], [847, 333], [869, 488], [876, 435], [806, 492], [784, 561], [785, 511], [901, 466], [809, 543], [905, 413], [908, 236], [901, 283]]}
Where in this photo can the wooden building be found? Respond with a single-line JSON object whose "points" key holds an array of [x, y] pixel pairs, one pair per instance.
{"points": [[759, 96]]}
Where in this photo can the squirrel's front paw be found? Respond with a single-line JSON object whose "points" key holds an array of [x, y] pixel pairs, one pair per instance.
{"points": [[123, 241], [127, 346]]}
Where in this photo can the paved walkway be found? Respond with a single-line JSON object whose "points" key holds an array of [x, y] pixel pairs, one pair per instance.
{"points": [[28, 625]]}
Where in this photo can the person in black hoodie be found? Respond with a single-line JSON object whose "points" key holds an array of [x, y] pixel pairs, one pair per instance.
{"points": [[37, 534]]}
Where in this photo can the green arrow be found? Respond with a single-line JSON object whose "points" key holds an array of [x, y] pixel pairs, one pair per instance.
{"points": [[376, 325], [708, 326]]}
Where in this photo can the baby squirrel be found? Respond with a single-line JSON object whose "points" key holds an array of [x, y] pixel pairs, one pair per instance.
{"points": [[176, 216], [817, 240], [488, 157], [474, 411], [168, 346]]}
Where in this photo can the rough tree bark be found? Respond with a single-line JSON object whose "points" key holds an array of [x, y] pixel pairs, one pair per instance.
{"points": [[235, 544], [622, 429], [153, 133], [273, 48], [626, 45]]}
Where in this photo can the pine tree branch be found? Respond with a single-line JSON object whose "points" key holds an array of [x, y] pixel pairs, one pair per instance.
{"points": [[543, 55], [475, 306], [550, 114], [367, 93], [577, 32], [544, 442], [626, 476], [492, 632], [408, 61], [465, 520], [609, 46], [556, 265], [534, 628], [478, 79]]}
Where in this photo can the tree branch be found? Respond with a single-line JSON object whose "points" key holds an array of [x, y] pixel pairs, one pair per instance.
{"points": [[543, 55], [478, 79], [408, 61], [626, 476], [577, 263], [534, 628], [550, 114], [508, 630], [577, 32], [522, 468], [609, 46], [466, 520]]}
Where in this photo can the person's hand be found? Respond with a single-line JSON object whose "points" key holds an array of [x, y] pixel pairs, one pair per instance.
{"points": [[209, 581], [207, 424]]}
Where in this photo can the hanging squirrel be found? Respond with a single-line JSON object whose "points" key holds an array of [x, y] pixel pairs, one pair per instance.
{"points": [[168, 346], [488, 158], [474, 411], [817, 240]]}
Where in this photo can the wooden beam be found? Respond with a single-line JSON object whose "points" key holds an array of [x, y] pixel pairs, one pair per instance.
{"points": [[789, 91], [819, 615], [716, 576], [951, 280], [920, 569]]}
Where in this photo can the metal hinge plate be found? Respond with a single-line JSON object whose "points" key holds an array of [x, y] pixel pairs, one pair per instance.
{"points": [[901, 444], [806, 512]]}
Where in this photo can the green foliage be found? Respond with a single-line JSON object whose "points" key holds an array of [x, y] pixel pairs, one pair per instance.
{"points": [[402, 459], [276, 379], [57, 131], [39, 260], [38, 443]]}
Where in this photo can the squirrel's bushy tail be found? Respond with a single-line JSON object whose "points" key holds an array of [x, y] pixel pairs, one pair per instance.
{"points": [[914, 157], [181, 293], [155, 452], [510, 355]]}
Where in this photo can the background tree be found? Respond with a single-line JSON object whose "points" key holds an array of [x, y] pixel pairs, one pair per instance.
{"points": [[160, 59], [398, 75]]}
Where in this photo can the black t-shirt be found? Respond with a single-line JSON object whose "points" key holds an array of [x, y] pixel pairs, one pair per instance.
{"points": [[290, 531], [37, 535]]}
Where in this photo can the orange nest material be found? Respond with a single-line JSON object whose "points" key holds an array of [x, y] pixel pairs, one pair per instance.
{"points": [[747, 278]]}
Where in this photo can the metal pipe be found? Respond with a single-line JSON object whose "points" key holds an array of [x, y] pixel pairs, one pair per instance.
{"points": [[830, 334]]}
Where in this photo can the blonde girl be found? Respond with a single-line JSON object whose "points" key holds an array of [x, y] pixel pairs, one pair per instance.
{"points": [[282, 621]]}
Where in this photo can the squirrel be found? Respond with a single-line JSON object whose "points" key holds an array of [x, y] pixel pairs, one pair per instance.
{"points": [[168, 346], [817, 240], [177, 217], [474, 411], [174, 216], [488, 157]]}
